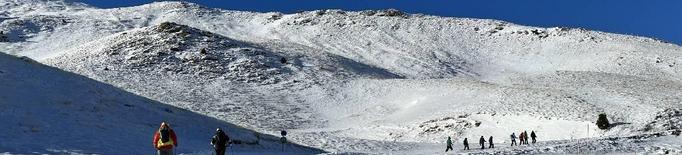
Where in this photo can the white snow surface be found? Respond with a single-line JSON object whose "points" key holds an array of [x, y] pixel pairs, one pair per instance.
{"points": [[375, 82], [45, 110]]}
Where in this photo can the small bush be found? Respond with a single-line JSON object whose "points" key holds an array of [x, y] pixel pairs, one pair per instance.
{"points": [[603, 122]]}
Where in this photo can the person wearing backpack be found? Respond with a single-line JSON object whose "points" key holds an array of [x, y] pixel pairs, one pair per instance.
{"points": [[448, 145], [513, 139], [220, 141], [525, 137], [466, 144], [165, 140], [521, 138], [482, 142], [490, 142]]}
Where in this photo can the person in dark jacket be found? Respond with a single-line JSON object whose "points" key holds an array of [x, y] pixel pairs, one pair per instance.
{"points": [[482, 142], [525, 137], [532, 136], [466, 144], [490, 142], [521, 140], [448, 144], [220, 141], [513, 138]]}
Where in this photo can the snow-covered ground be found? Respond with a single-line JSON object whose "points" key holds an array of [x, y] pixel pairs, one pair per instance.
{"points": [[369, 81], [45, 110]]}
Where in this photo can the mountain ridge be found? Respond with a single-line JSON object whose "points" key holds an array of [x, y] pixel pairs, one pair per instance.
{"points": [[368, 81]]}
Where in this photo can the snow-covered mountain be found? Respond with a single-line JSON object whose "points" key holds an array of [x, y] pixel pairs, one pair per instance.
{"points": [[369, 81], [45, 110]]}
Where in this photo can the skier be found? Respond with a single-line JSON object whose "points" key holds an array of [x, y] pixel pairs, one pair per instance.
{"points": [[525, 137], [532, 135], [513, 138], [165, 140], [490, 142], [449, 144], [220, 141], [482, 142], [466, 144]]}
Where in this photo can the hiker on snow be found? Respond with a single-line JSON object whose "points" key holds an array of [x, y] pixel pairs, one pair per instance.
{"points": [[466, 144], [449, 144], [521, 138], [490, 142], [532, 135], [165, 140], [220, 141], [513, 138], [525, 137], [482, 142]]}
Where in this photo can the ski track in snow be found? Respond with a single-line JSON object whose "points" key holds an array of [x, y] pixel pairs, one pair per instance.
{"points": [[374, 82]]}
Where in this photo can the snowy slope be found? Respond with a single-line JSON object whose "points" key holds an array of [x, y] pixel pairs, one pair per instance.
{"points": [[46, 110], [367, 81]]}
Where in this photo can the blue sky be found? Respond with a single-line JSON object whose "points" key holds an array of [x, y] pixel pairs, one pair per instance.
{"points": [[660, 19]]}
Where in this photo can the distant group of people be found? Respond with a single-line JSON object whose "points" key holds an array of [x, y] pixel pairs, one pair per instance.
{"points": [[481, 141], [165, 140], [523, 139]]}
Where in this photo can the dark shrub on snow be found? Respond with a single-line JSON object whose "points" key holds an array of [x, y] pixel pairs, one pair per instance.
{"points": [[603, 122]]}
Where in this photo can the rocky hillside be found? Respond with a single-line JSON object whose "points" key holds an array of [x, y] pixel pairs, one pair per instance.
{"points": [[178, 49], [366, 81]]}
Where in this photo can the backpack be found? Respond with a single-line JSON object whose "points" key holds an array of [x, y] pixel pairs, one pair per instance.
{"points": [[165, 135], [221, 139]]}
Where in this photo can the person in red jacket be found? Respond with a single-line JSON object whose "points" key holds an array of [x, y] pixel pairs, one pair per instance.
{"points": [[165, 140]]}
